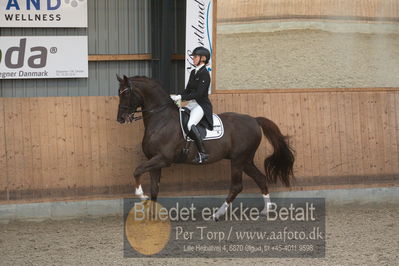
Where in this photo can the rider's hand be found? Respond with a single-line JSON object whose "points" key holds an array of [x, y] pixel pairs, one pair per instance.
{"points": [[175, 97]]}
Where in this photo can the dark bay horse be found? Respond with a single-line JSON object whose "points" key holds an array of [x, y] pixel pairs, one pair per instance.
{"points": [[163, 140]]}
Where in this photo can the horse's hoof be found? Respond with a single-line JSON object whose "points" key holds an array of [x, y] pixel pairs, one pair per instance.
{"points": [[144, 197], [216, 219]]}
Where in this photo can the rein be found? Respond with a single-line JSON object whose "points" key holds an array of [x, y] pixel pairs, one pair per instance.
{"points": [[155, 110]]}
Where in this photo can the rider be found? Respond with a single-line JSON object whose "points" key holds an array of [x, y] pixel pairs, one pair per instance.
{"points": [[199, 104]]}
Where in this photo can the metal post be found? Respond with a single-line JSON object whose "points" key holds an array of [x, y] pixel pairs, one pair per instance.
{"points": [[163, 13], [155, 38]]}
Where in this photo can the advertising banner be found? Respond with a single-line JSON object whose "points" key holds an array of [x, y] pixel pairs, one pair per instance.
{"points": [[199, 18], [43, 13], [43, 57]]}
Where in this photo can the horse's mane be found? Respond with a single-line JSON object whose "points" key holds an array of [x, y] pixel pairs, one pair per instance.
{"points": [[147, 79], [148, 82]]}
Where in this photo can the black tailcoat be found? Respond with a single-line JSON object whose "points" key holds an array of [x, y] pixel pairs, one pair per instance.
{"points": [[197, 89]]}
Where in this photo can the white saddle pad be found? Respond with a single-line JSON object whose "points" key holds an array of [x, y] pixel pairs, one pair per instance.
{"points": [[216, 133]]}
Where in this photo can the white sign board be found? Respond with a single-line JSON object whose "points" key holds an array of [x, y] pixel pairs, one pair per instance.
{"points": [[43, 57], [43, 13], [199, 17]]}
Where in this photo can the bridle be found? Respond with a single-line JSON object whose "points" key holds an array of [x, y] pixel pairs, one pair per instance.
{"points": [[132, 110]]}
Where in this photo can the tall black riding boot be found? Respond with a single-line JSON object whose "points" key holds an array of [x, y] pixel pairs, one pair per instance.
{"points": [[196, 136]]}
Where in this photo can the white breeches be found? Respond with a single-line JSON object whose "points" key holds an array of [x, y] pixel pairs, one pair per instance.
{"points": [[196, 113]]}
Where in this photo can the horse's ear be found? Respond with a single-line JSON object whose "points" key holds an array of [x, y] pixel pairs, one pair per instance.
{"points": [[125, 79], [119, 78]]}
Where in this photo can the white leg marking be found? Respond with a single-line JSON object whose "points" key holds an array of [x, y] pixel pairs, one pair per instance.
{"points": [[221, 211], [268, 204], [139, 192]]}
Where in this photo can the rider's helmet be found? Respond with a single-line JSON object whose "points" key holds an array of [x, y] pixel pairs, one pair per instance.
{"points": [[202, 51]]}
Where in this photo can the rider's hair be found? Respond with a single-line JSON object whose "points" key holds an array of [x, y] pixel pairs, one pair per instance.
{"points": [[203, 60]]}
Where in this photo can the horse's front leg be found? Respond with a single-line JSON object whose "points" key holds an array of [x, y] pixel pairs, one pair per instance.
{"points": [[155, 179], [155, 163]]}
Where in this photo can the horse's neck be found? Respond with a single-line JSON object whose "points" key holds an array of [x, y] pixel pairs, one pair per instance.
{"points": [[156, 117], [152, 102]]}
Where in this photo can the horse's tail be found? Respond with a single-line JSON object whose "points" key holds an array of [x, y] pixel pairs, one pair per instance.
{"points": [[280, 164]]}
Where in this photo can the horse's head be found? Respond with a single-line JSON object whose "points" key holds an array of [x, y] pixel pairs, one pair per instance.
{"points": [[129, 100]]}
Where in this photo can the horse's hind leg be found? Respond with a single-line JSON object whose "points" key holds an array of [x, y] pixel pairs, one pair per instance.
{"points": [[236, 181], [235, 188], [260, 179]]}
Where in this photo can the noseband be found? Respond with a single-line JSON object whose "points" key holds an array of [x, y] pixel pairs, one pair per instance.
{"points": [[131, 112]]}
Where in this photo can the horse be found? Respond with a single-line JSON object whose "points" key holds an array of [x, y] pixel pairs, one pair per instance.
{"points": [[163, 141]]}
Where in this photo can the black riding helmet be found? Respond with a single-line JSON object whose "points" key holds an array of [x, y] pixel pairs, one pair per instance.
{"points": [[202, 51]]}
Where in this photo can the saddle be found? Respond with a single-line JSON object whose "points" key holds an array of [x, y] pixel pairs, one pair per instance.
{"points": [[206, 134]]}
